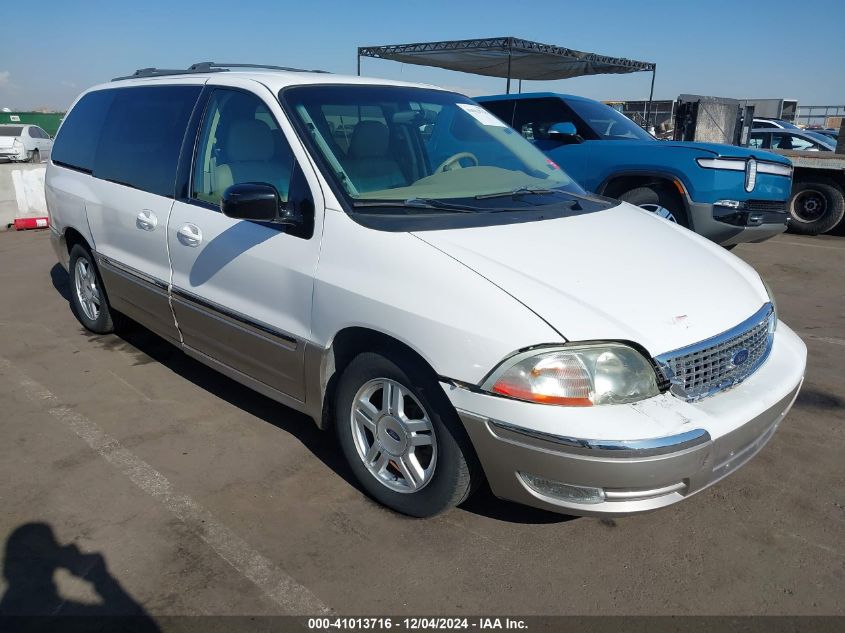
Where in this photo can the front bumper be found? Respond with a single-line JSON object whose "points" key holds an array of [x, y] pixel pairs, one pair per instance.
{"points": [[9, 155], [664, 450], [710, 221]]}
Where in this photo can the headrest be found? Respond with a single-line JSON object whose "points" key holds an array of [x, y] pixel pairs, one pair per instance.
{"points": [[370, 139], [249, 139]]}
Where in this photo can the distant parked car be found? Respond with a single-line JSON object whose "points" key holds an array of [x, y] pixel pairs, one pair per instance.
{"points": [[24, 143], [774, 123], [725, 193], [826, 131], [797, 140]]}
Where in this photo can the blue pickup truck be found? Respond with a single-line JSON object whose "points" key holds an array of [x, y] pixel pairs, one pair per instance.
{"points": [[726, 193]]}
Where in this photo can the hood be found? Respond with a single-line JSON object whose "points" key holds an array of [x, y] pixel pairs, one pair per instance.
{"points": [[620, 274], [715, 149]]}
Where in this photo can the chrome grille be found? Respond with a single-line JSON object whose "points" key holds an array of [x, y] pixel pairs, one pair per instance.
{"points": [[720, 362]]}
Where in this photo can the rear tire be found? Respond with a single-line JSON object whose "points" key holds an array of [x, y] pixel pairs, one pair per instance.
{"points": [[35, 156], [660, 201], [87, 297], [815, 207], [418, 436]]}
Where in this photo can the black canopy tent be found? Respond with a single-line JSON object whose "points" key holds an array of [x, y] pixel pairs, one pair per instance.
{"points": [[509, 58]]}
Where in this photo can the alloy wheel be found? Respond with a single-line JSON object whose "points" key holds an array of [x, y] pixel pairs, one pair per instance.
{"points": [[663, 212], [393, 435], [87, 292]]}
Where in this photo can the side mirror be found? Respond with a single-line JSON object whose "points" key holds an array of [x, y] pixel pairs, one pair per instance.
{"points": [[256, 201], [564, 132]]}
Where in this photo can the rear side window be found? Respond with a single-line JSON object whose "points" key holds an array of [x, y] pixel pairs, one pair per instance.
{"points": [[10, 131], [76, 143], [142, 135]]}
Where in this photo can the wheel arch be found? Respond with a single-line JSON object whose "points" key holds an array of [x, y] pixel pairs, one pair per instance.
{"points": [[71, 237], [346, 345], [619, 182], [827, 176]]}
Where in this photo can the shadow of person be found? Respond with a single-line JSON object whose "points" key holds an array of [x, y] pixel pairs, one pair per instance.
{"points": [[32, 601]]}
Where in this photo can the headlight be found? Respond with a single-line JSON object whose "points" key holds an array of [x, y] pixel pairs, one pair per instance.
{"points": [[750, 175], [749, 166], [577, 376]]}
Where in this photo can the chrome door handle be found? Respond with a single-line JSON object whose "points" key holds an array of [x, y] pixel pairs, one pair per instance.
{"points": [[146, 220], [190, 235]]}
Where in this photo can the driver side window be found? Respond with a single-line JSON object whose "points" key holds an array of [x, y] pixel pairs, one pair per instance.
{"points": [[533, 118], [240, 142]]}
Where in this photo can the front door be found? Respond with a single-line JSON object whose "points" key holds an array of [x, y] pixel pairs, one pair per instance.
{"points": [[241, 290]]}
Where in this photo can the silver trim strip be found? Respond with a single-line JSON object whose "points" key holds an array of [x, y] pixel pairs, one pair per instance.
{"points": [[237, 318], [613, 448], [117, 267], [631, 495]]}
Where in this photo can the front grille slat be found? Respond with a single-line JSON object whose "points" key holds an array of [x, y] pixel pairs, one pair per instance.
{"points": [[708, 367], [764, 206]]}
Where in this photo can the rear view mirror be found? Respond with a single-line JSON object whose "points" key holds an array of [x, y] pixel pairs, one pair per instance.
{"points": [[564, 132], [255, 201]]}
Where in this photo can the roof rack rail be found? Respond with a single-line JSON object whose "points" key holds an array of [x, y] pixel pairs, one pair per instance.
{"points": [[206, 67]]}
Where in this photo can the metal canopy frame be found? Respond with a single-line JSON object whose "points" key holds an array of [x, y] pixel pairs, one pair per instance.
{"points": [[561, 62]]}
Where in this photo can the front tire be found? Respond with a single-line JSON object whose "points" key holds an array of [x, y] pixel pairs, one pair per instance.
{"points": [[35, 156], [815, 207], [87, 298], [402, 437], [660, 201]]}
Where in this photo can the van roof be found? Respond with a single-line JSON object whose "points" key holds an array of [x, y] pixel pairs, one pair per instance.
{"points": [[532, 95], [275, 80]]}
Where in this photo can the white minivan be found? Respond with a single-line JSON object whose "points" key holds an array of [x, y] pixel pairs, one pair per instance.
{"points": [[399, 264]]}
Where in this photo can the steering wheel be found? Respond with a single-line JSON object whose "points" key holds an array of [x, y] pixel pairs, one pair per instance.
{"points": [[454, 158]]}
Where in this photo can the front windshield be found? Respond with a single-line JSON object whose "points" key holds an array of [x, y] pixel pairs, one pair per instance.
{"points": [[607, 123], [408, 144]]}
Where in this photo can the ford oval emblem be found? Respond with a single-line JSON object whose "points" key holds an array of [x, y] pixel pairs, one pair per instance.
{"points": [[393, 434], [739, 357]]}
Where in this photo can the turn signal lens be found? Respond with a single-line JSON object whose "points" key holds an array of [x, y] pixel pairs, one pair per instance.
{"points": [[556, 379], [580, 376]]}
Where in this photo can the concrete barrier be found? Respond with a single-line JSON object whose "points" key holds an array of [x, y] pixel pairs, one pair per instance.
{"points": [[21, 192]]}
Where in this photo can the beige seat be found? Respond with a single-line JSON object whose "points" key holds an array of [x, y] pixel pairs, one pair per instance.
{"points": [[250, 152], [369, 163]]}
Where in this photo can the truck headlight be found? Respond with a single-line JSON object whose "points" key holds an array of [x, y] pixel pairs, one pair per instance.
{"points": [[750, 175], [577, 376]]}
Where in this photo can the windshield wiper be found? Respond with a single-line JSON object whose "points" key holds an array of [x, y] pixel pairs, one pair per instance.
{"points": [[519, 191], [418, 203]]}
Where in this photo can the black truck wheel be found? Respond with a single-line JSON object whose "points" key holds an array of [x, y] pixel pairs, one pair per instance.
{"points": [[815, 206]]}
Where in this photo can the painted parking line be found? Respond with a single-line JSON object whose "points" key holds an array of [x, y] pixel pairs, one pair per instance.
{"points": [[276, 584]]}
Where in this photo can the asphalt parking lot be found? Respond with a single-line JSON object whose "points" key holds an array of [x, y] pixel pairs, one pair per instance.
{"points": [[203, 497]]}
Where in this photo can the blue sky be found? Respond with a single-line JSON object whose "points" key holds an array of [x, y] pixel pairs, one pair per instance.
{"points": [[739, 48]]}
